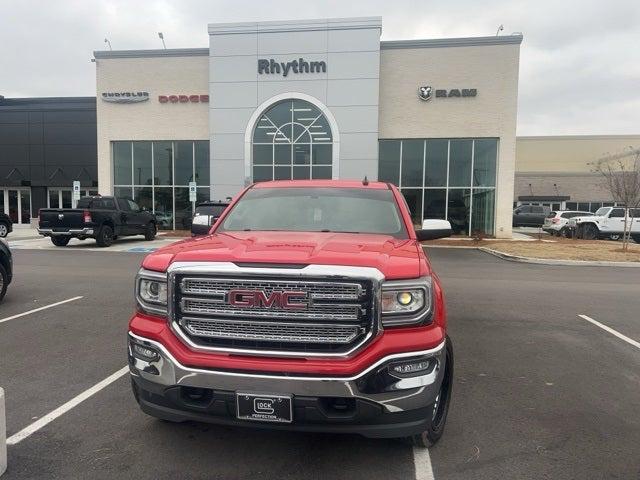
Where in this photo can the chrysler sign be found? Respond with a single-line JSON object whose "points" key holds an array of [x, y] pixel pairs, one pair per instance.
{"points": [[125, 97]]}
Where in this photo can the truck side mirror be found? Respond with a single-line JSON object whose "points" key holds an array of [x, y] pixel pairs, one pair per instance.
{"points": [[433, 229]]}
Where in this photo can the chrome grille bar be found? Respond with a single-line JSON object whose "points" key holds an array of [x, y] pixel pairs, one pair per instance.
{"points": [[316, 290], [323, 311], [272, 331]]}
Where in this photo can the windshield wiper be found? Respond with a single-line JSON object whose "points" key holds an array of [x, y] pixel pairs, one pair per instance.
{"points": [[326, 230]]}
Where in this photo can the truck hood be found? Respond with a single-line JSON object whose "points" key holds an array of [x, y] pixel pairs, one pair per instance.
{"points": [[393, 257]]}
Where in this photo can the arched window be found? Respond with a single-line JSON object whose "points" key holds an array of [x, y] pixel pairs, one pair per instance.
{"points": [[292, 140]]}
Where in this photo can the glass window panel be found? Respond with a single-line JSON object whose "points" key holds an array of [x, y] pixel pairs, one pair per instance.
{"points": [[13, 205], [264, 131], [571, 206], [321, 173], [435, 203], [203, 170], [282, 154], [279, 114], [282, 173], [302, 154], [483, 211], [163, 207], [262, 174], [413, 196], [584, 207], [322, 154], [2, 201], [594, 206], [320, 129], [123, 192], [435, 174], [300, 134], [183, 159], [485, 152], [202, 194], [25, 206], [54, 201], [184, 209], [66, 199], [412, 163], [142, 163], [93, 193], [263, 154], [163, 163], [460, 163], [143, 197], [121, 163], [301, 173], [458, 211], [389, 161]]}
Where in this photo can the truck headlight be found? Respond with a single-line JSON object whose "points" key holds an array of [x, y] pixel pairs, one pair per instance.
{"points": [[151, 292], [406, 302]]}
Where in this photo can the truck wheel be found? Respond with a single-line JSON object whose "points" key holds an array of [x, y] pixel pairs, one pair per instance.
{"points": [[3, 282], [440, 410], [150, 232], [60, 241], [4, 229], [105, 236], [564, 232], [589, 232]]}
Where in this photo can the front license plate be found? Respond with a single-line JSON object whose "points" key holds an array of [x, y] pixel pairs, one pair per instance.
{"points": [[264, 407]]}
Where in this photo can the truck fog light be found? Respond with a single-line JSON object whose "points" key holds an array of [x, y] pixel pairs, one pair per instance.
{"points": [[411, 368], [405, 298], [145, 353]]}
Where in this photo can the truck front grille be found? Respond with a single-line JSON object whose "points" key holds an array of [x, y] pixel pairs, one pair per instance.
{"points": [[274, 313]]}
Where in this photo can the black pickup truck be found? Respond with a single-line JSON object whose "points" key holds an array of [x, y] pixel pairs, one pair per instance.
{"points": [[102, 218]]}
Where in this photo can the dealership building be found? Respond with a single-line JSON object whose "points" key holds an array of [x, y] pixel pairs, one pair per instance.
{"points": [[314, 99]]}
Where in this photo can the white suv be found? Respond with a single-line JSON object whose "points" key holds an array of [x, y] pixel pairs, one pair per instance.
{"points": [[556, 222], [607, 222]]}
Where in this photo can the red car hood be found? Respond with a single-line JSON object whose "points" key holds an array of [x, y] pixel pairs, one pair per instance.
{"points": [[393, 257]]}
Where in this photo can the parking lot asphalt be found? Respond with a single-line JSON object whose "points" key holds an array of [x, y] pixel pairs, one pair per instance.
{"points": [[539, 392]]}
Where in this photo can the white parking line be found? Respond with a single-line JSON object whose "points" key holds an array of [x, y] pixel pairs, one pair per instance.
{"points": [[422, 463], [62, 409], [630, 341], [6, 319]]}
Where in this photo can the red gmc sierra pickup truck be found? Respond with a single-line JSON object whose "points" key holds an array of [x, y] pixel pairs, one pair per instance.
{"points": [[310, 306]]}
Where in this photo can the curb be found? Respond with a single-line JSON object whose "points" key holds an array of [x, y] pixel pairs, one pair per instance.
{"points": [[551, 261]]}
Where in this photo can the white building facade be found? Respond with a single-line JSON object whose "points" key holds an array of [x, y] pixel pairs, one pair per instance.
{"points": [[314, 99]]}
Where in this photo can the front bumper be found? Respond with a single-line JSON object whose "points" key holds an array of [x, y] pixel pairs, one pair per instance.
{"points": [[74, 232], [372, 403]]}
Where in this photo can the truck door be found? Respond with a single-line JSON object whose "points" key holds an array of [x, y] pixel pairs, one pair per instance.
{"points": [[127, 224], [615, 222]]}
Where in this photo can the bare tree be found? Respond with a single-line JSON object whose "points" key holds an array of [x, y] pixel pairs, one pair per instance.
{"points": [[621, 175]]}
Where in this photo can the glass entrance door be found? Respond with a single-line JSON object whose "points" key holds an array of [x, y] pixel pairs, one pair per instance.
{"points": [[17, 204]]}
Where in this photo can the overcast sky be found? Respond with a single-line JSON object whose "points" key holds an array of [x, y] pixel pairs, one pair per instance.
{"points": [[579, 66]]}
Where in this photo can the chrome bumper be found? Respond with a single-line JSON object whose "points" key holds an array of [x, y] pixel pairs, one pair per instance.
{"points": [[48, 232], [405, 394]]}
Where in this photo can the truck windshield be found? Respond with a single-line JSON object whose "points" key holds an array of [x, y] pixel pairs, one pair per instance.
{"points": [[346, 210], [602, 211]]}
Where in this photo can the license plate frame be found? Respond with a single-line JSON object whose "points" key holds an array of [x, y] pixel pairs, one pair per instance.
{"points": [[264, 407]]}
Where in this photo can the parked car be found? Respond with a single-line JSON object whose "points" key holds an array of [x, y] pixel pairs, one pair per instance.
{"points": [[311, 307], [206, 215], [102, 218], [606, 223], [6, 225], [6, 267], [530, 215], [556, 222]]}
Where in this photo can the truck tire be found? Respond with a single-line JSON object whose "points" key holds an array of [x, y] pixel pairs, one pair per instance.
{"points": [[590, 232], [564, 232], [150, 232], [432, 434], [60, 241], [105, 236], [3, 282], [4, 229]]}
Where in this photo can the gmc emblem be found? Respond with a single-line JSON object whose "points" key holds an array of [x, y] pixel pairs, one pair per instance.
{"points": [[258, 298]]}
